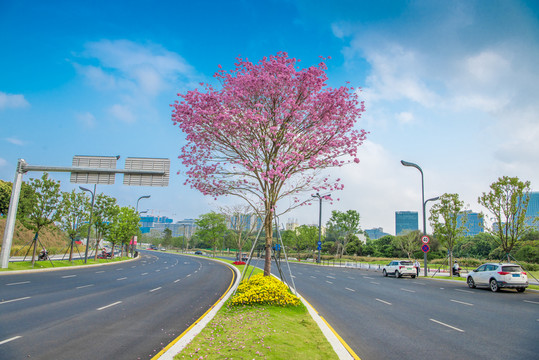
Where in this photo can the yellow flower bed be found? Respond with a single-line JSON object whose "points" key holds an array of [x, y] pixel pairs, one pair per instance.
{"points": [[267, 290]]}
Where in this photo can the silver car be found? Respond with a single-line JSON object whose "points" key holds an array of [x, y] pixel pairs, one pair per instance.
{"points": [[400, 268], [497, 276]]}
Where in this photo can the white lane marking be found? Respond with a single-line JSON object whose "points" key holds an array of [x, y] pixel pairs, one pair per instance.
{"points": [[418, 283], [144, 274], [367, 277], [351, 278], [531, 302], [350, 289], [293, 276], [102, 271], [329, 282], [68, 276], [152, 290], [157, 270], [375, 283], [84, 286], [19, 299], [134, 266], [109, 305], [177, 280], [461, 302], [119, 269], [10, 339], [18, 283], [122, 278], [412, 291], [465, 291], [385, 302], [188, 275], [331, 277], [314, 277], [444, 324]]}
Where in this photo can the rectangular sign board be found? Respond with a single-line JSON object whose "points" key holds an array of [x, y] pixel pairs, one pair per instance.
{"points": [[147, 164], [101, 162]]}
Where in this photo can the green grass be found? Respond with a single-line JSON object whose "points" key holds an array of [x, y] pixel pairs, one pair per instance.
{"points": [[27, 265], [260, 332]]}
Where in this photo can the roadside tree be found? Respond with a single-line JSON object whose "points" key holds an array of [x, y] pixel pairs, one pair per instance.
{"points": [[444, 219], [408, 242], [74, 207], [105, 209], [124, 225], [346, 225], [211, 228], [267, 134], [307, 237], [507, 201], [45, 209]]}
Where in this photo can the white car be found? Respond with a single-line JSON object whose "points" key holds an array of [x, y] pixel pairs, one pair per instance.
{"points": [[400, 268], [497, 276]]}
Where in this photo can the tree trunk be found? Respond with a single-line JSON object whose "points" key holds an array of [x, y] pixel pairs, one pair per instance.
{"points": [[34, 251], [71, 250], [269, 240]]}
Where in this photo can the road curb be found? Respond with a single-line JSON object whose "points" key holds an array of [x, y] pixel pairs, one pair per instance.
{"points": [[178, 344], [30, 271]]}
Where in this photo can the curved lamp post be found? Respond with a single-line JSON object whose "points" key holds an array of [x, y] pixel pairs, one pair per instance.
{"points": [[423, 203], [320, 197], [136, 209], [90, 221]]}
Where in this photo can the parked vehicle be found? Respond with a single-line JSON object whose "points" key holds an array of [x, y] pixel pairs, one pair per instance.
{"points": [[497, 276], [400, 268], [198, 252]]}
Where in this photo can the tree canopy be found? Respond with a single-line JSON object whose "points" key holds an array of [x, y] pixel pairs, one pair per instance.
{"points": [[267, 133]]}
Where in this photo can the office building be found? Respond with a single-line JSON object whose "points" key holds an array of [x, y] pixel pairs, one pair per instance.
{"points": [[405, 221], [532, 211], [473, 223], [375, 233]]}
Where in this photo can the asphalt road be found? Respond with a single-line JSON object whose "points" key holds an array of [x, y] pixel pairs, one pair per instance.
{"points": [[389, 318], [125, 310]]}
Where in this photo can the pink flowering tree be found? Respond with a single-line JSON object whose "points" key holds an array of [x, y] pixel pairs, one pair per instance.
{"points": [[267, 133]]}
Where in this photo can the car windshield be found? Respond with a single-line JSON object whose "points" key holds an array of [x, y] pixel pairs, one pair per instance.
{"points": [[512, 268], [406, 263]]}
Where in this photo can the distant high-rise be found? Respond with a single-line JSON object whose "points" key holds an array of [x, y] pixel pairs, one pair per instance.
{"points": [[405, 221], [473, 224], [532, 212], [375, 233]]}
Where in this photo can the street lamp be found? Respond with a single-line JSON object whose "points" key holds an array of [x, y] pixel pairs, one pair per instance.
{"points": [[136, 209], [423, 203], [320, 197], [90, 221]]}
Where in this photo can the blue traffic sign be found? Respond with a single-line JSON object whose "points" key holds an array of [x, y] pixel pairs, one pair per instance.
{"points": [[319, 247], [425, 248]]}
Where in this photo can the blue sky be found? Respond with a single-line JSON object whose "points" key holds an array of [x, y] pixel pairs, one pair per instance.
{"points": [[449, 85]]}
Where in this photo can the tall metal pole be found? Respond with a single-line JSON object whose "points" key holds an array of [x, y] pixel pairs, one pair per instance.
{"points": [[320, 197], [89, 221], [406, 163], [12, 214], [133, 246]]}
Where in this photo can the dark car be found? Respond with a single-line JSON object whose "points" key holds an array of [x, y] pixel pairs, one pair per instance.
{"points": [[198, 252]]}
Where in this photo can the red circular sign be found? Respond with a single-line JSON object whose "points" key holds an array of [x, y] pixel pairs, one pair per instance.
{"points": [[425, 239]]}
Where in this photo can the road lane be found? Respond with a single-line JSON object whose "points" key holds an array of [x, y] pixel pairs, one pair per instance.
{"points": [[391, 318], [92, 315]]}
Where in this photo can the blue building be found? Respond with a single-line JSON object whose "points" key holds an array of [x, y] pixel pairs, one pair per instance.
{"points": [[532, 211], [149, 222], [405, 221], [375, 233], [473, 224]]}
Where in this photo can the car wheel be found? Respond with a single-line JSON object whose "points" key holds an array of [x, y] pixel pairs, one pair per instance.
{"points": [[384, 272], [494, 285], [521, 289], [397, 275], [471, 283], [413, 276]]}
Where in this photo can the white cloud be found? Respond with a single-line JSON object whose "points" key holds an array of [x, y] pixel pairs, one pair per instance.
{"points": [[12, 101], [15, 141], [122, 113], [405, 117], [3, 162], [86, 119]]}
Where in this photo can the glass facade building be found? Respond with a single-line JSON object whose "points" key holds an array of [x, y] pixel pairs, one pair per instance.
{"points": [[375, 233], [532, 211], [473, 224], [405, 221]]}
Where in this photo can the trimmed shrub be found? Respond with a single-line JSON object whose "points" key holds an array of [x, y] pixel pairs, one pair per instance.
{"points": [[266, 290]]}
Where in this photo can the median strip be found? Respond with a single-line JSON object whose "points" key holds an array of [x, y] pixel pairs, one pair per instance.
{"points": [[107, 306], [10, 339], [444, 324]]}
